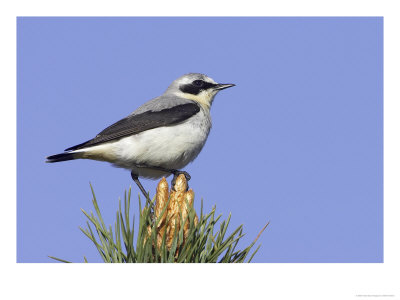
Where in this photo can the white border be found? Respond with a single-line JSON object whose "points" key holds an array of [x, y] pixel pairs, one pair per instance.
{"points": [[255, 281]]}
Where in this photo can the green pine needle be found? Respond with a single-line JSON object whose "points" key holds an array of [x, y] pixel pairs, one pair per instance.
{"points": [[115, 244]]}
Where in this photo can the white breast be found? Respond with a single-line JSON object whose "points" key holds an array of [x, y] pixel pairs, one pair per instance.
{"points": [[171, 147]]}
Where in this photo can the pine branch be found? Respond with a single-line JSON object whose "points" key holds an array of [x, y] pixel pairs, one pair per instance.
{"points": [[169, 231]]}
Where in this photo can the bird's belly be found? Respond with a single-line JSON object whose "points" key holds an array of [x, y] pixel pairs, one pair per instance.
{"points": [[170, 147]]}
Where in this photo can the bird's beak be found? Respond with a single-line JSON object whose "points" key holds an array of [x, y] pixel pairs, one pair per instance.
{"points": [[221, 86]]}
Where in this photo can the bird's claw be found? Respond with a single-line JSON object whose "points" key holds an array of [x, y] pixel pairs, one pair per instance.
{"points": [[176, 174]]}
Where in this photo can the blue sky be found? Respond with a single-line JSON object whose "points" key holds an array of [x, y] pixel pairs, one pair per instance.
{"points": [[298, 142]]}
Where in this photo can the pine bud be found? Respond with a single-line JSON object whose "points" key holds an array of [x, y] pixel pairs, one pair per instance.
{"points": [[172, 210]]}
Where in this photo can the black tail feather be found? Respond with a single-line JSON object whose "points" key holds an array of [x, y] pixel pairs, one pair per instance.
{"points": [[60, 157], [76, 147]]}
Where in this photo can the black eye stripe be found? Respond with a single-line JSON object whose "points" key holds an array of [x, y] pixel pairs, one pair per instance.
{"points": [[208, 85], [198, 83], [196, 87]]}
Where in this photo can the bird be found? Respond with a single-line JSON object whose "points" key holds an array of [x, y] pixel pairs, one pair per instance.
{"points": [[160, 137]]}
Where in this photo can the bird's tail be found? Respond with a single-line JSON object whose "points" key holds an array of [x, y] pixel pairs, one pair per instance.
{"points": [[60, 157]]}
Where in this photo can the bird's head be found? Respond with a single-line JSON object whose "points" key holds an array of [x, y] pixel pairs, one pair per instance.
{"points": [[197, 87]]}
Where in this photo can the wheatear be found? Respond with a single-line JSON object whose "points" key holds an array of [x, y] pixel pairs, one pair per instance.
{"points": [[159, 138]]}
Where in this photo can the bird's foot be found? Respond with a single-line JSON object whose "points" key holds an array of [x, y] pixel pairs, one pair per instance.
{"points": [[176, 174]]}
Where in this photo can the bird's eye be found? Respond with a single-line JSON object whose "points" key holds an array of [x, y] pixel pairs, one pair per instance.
{"points": [[198, 83]]}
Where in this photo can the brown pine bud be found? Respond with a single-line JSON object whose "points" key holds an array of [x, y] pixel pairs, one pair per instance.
{"points": [[161, 201], [176, 205]]}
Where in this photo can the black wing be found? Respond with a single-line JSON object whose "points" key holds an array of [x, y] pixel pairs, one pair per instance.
{"points": [[135, 124]]}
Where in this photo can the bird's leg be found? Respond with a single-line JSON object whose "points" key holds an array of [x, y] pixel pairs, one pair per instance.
{"points": [[135, 178]]}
